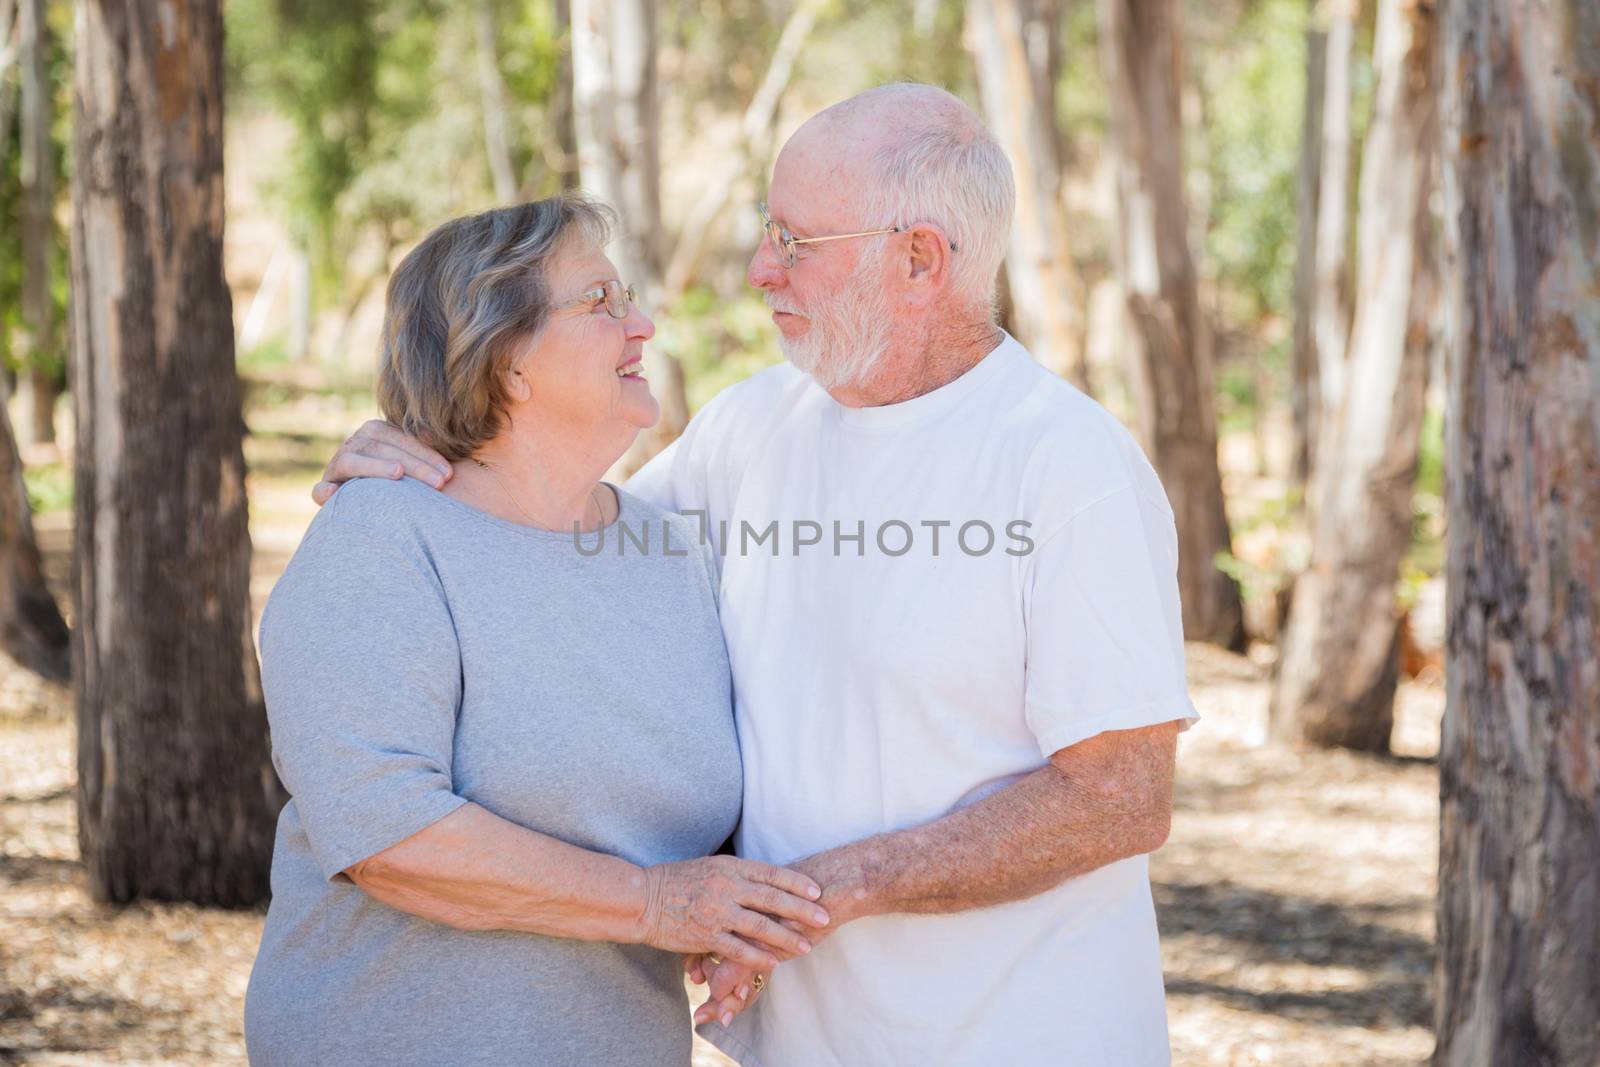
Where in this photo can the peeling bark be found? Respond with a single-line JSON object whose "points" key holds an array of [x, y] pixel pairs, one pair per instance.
{"points": [[177, 799], [1308, 181], [1519, 885], [1330, 310]]}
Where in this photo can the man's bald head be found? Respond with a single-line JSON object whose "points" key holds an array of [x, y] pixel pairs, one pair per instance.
{"points": [[908, 153], [892, 112]]}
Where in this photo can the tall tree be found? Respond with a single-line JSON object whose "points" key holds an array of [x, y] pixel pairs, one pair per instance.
{"points": [[1338, 665], [1170, 357], [1330, 313], [176, 794], [37, 379], [1308, 181], [492, 94], [614, 107], [563, 137], [1012, 47], [1519, 863]]}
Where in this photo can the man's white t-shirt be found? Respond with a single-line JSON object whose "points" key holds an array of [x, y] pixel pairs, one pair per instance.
{"points": [[889, 670]]}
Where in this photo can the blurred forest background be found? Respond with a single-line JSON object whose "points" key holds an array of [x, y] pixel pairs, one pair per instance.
{"points": [[1323, 255]]}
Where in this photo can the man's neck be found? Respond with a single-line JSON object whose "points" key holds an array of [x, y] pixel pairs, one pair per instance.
{"points": [[942, 356]]}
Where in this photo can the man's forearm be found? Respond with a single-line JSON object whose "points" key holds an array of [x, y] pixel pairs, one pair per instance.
{"points": [[1083, 810]]}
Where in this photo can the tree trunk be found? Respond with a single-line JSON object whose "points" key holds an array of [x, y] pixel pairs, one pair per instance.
{"points": [[1519, 864], [176, 795], [614, 96], [9, 48], [492, 95], [1010, 44], [1330, 314], [32, 631], [300, 314], [1338, 668], [1170, 357], [36, 376], [563, 123], [1303, 361]]}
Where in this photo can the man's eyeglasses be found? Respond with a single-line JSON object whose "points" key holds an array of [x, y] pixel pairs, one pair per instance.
{"points": [[617, 298], [784, 242]]}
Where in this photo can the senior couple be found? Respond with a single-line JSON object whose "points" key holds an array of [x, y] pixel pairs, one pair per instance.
{"points": [[942, 756]]}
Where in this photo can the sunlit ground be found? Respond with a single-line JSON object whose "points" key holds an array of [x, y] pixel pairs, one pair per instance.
{"points": [[1295, 896]]}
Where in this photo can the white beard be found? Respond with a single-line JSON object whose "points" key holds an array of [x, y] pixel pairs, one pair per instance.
{"points": [[849, 333]]}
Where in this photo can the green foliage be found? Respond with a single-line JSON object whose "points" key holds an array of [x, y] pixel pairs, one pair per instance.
{"points": [[49, 487], [384, 100], [58, 72], [270, 353], [531, 50], [719, 340], [318, 62], [1426, 555], [1080, 93], [1252, 77]]}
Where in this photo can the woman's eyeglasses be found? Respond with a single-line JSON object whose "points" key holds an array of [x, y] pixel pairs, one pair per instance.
{"points": [[616, 296]]}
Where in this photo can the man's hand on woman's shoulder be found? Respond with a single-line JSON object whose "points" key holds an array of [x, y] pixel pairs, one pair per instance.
{"points": [[381, 450]]}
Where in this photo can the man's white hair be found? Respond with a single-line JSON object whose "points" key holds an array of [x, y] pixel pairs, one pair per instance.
{"points": [[938, 163]]}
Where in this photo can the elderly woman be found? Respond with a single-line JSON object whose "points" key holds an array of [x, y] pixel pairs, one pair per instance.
{"points": [[508, 758]]}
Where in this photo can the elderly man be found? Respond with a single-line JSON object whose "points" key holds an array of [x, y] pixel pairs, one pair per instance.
{"points": [[949, 594]]}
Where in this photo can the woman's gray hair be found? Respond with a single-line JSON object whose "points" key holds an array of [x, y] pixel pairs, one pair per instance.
{"points": [[459, 306], [942, 165]]}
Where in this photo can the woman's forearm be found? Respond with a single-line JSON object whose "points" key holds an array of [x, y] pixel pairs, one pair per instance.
{"points": [[476, 871]]}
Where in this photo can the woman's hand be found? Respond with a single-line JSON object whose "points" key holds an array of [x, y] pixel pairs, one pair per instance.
{"points": [[730, 907], [379, 450], [734, 987]]}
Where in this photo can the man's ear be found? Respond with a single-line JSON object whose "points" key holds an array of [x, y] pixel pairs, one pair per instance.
{"points": [[929, 259]]}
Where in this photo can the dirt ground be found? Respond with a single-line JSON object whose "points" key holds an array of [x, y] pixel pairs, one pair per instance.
{"points": [[1295, 896], [1295, 900]]}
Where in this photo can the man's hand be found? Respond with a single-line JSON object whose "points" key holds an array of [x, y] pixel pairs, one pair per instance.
{"points": [[379, 450], [734, 985]]}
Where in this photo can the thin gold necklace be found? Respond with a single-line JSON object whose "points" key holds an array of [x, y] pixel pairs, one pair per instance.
{"points": [[599, 510]]}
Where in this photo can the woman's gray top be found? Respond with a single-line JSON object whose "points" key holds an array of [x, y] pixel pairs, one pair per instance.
{"points": [[417, 654]]}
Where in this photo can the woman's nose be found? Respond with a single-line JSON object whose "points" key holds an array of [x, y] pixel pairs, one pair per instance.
{"points": [[640, 327]]}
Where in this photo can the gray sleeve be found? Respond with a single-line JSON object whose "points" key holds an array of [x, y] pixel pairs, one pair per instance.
{"points": [[362, 677]]}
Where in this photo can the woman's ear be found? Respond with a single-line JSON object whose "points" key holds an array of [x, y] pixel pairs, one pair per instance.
{"points": [[517, 388]]}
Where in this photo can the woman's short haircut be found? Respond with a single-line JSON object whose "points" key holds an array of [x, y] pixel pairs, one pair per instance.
{"points": [[459, 308]]}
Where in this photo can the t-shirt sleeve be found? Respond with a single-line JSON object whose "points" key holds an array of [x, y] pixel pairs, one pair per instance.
{"points": [[1105, 633], [362, 677]]}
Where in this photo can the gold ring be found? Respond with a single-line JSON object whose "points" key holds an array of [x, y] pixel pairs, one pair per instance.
{"points": [[759, 982]]}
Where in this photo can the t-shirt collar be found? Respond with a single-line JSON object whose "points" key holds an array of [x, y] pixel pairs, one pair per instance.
{"points": [[939, 402]]}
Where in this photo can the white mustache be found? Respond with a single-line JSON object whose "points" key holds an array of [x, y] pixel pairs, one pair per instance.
{"points": [[771, 306]]}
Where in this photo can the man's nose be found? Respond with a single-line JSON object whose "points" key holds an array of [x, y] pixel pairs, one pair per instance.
{"points": [[765, 271]]}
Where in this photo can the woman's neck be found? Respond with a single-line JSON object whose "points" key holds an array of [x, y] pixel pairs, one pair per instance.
{"points": [[551, 484]]}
